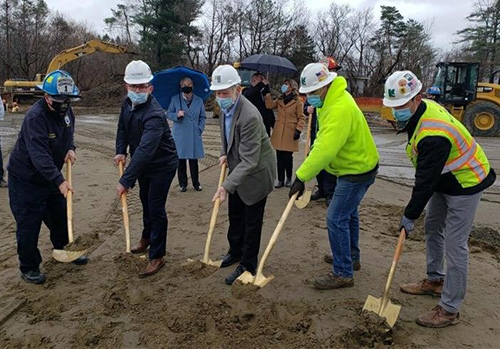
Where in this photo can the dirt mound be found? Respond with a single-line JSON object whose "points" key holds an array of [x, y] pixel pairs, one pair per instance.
{"points": [[198, 269], [486, 238], [130, 264], [83, 242], [240, 290], [371, 331], [107, 95]]}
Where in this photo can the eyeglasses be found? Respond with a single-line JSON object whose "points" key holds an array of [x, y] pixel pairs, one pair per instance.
{"points": [[140, 87]]}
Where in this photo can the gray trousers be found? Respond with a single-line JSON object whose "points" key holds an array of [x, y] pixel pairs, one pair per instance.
{"points": [[447, 227]]}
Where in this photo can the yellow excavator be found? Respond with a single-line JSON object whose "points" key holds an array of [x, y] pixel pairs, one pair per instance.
{"points": [[475, 104], [21, 90]]}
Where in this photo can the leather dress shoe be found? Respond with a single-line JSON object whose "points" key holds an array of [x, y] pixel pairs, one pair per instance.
{"points": [[141, 247], [231, 278], [33, 277], [153, 267], [81, 260], [229, 260]]}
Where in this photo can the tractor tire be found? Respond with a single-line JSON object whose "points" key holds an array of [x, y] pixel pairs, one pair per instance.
{"points": [[482, 119]]}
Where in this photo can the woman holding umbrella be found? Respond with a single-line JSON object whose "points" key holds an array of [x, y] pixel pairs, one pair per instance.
{"points": [[187, 112], [287, 128]]}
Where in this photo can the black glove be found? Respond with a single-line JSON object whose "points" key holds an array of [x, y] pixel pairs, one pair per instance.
{"points": [[408, 225], [297, 187], [296, 135]]}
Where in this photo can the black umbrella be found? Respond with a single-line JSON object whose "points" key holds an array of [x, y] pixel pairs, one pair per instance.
{"points": [[269, 64]]}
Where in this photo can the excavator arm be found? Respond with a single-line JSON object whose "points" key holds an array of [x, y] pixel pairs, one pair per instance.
{"points": [[79, 51]]}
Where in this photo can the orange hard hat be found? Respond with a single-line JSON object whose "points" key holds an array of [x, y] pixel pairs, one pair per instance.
{"points": [[330, 63]]}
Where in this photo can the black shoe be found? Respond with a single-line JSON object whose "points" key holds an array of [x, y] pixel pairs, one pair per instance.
{"points": [[198, 187], [3, 183], [33, 277], [182, 189], [81, 260], [229, 260], [279, 184], [288, 183], [318, 194], [235, 274]]}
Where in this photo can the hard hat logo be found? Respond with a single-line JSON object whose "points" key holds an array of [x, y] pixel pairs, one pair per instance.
{"points": [[391, 92], [322, 75], [303, 81], [65, 85], [402, 82]]}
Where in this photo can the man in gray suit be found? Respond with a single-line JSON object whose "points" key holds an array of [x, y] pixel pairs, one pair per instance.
{"points": [[251, 161]]}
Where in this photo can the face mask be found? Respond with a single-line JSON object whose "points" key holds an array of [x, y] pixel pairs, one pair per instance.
{"points": [[402, 115], [187, 89], [284, 88], [225, 103], [61, 107], [137, 98], [315, 101]]}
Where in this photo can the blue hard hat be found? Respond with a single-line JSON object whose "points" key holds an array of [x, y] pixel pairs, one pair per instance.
{"points": [[59, 85], [434, 90]]}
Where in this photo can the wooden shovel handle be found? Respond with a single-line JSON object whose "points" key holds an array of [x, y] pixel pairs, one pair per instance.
{"points": [[399, 247], [126, 225], [308, 138], [69, 202], [213, 219], [276, 233], [397, 254]]}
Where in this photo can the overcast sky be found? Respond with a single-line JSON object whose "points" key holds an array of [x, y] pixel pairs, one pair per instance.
{"points": [[446, 16]]}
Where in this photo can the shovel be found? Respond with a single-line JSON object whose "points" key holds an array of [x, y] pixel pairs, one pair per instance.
{"points": [[206, 256], [306, 197], [383, 307], [63, 255], [125, 213], [259, 279]]}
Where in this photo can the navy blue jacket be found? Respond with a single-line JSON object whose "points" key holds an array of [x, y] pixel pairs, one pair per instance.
{"points": [[43, 142], [145, 131]]}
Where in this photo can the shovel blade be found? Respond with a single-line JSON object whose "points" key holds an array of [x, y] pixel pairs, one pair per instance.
{"points": [[64, 256], [209, 262], [258, 280], [303, 200], [390, 312]]}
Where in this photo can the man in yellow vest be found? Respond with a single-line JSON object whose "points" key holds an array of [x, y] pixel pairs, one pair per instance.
{"points": [[343, 147], [451, 173]]}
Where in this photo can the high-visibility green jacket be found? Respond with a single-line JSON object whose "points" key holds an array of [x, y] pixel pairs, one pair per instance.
{"points": [[344, 144], [467, 160]]}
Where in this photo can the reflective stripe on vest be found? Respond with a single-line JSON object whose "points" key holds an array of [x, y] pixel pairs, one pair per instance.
{"points": [[467, 152]]}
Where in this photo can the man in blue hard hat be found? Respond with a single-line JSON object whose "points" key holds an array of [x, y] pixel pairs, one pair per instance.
{"points": [[37, 188]]}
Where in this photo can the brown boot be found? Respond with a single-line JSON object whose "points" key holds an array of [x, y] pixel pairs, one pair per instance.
{"points": [[433, 288], [330, 282], [153, 267], [438, 318], [141, 247]]}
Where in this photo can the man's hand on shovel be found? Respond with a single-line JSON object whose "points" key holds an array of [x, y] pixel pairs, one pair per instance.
{"points": [[64, 187], [221, 193], [297, 187], [121, 189]]}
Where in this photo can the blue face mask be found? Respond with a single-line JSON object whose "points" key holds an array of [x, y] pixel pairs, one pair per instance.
{"points": [[284, 88], [138, 98], [402, 115], [225, 103], [315, 101]]}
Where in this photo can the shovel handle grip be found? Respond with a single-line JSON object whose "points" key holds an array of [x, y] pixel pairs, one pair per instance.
{"points": [[69, 202]]}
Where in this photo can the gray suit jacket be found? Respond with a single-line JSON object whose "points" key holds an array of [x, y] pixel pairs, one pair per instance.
{"points": [[250, 156]]}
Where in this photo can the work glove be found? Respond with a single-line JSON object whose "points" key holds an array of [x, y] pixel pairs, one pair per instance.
{"points": [[296, 135], [408, 225], [297, 187]]}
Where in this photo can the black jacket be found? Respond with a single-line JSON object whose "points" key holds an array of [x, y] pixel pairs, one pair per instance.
{"points": [[255, 95], [43, 142], [433, 152], [145, 131]]}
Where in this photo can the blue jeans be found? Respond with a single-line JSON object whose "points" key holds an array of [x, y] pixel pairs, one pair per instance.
{"points": [[342, 221]]}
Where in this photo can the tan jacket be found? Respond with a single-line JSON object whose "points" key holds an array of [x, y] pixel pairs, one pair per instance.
{"points": [[290, 118]]}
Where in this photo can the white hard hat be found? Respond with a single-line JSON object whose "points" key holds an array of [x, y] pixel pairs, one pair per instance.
{"points": [[138, 72], [315, 76], [401, 87], [224, 76]]}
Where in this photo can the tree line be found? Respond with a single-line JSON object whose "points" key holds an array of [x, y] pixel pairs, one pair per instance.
{"points": [[203, 34]]}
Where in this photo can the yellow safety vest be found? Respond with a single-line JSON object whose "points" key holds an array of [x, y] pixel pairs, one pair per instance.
{"points": [[467, 160]]}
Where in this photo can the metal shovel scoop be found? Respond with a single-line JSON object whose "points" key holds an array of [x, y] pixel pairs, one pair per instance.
{"points": [[206, 256], [383, 307], [304, 199], [126, 225], [64, 256], [259, 279]]}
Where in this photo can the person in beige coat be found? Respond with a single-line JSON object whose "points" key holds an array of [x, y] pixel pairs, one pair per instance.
{"points": [[287, 128]]}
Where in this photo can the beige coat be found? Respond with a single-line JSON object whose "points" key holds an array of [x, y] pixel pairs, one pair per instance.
{"points": [[290, 118]]}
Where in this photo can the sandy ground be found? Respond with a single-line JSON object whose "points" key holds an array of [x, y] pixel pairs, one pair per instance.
{"points": [[105, 305]]}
